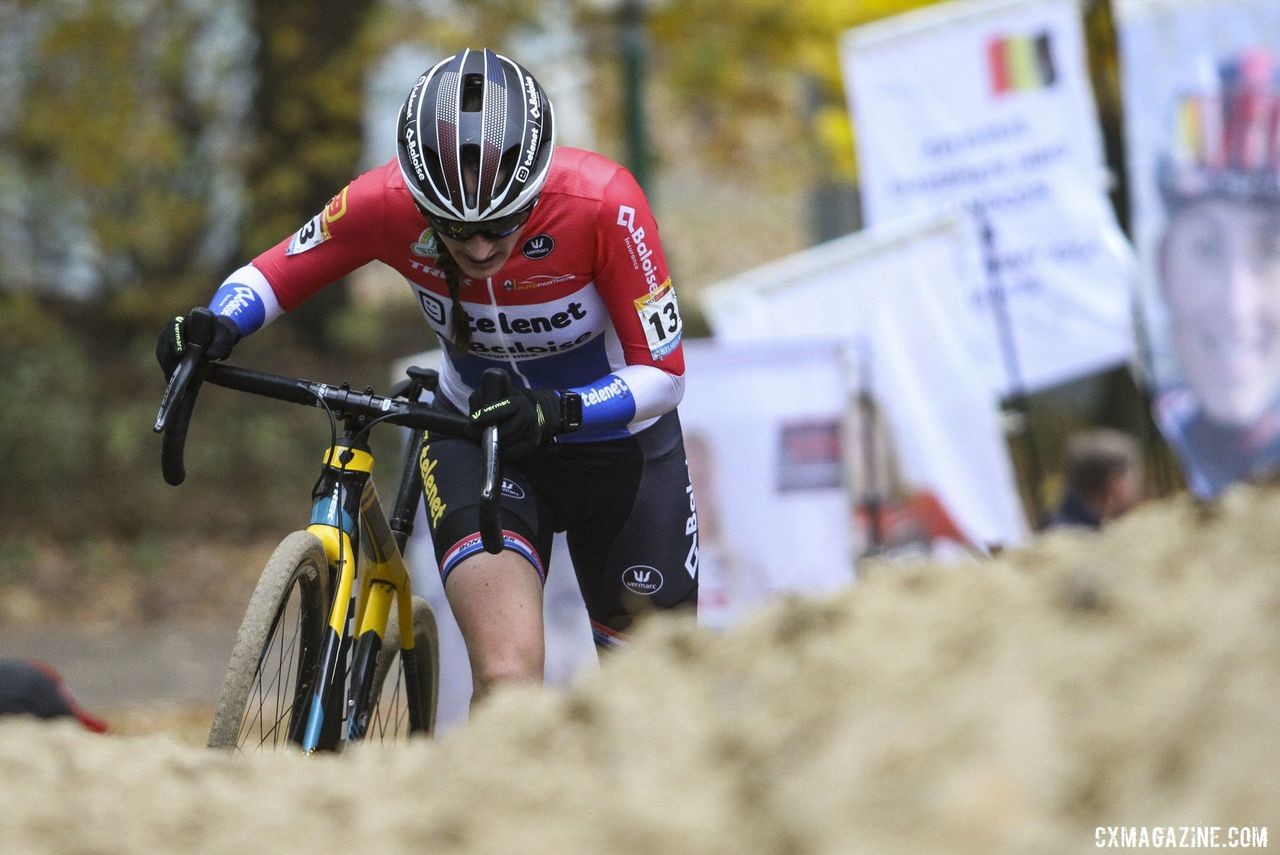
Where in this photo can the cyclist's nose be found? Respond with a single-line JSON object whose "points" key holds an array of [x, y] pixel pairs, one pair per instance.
{"points": [[479, 246]]}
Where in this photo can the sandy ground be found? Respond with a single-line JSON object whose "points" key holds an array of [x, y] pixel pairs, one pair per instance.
{"points": [[1131, 678]]}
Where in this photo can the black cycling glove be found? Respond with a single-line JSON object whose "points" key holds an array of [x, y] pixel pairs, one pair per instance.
{"points": [[526, 418], [172, 342]]}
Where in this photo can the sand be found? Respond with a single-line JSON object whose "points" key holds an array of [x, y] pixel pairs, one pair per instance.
{"points": [[1009, 705]]}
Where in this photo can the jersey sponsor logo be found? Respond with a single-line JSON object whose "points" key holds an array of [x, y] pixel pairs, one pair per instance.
{"points": [[538, 246], [427, 245], [520, 350], [432, 306], [511, 324], [242, 304], [642, 579], [316, 231], [336, 208], [517, 332], [603, 394], [637, 247], [511, 489], [539, 281]]}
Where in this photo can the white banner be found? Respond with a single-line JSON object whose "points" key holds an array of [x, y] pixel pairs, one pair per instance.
{"points": [[762, 425], [897, 295], [1202, 112], [987, 106]]}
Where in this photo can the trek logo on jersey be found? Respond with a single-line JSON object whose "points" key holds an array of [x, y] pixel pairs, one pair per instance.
{"points": [[538, 246], [640, 251], [642, 579], [316, 231]]}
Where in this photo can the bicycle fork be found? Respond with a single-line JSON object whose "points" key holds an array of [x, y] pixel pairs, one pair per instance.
{"points": [[335, 517], [347, 517]]}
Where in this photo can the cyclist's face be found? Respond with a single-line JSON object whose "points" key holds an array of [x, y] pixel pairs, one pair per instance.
{"points": [[480, 257], [1221, 271]]}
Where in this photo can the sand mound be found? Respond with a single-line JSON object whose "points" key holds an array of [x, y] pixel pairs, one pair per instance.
{"points": [[1014, 705]]}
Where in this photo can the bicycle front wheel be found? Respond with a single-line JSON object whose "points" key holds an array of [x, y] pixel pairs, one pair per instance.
{"points": [[262, 704], [406, 698]]}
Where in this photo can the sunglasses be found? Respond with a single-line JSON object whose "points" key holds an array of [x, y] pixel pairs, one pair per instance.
{"points": [[487, 229]]}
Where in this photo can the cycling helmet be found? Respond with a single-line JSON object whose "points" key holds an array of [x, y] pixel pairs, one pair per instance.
{"points": [[475, 137], [1226, 139]]}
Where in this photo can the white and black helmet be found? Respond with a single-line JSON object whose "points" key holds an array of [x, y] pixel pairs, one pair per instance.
{"points": [[475, 137]]}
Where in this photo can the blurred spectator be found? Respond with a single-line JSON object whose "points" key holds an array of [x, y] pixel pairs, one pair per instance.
{"points": [[1104, 477], [1219, 270], [29, 687]]}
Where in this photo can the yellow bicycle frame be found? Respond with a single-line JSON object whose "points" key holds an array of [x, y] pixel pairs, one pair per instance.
{"points": [[378, 563]]}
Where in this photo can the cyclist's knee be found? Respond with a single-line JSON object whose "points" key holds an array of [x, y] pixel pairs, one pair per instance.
{"points": [[508, 667]]}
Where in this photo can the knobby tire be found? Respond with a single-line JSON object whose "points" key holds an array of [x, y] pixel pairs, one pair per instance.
{"points": [[274, 661]]}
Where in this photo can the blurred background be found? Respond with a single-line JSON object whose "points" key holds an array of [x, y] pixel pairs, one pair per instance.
{"points": [[148, 147]]}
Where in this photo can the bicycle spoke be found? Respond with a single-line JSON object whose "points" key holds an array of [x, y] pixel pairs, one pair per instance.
{"points": [[274, 690]]}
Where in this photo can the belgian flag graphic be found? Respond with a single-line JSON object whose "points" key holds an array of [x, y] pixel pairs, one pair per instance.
{"points": [[1020, 63]]}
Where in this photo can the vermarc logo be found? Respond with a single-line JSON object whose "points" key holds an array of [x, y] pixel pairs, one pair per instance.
{"points": [[642, 579]]}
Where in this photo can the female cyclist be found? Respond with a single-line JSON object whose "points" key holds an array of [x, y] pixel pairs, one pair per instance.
{"points": [[544, 262]]}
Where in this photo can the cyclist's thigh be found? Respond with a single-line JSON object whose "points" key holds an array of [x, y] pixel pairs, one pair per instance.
{"points": [[452, 475], [639, 549]]}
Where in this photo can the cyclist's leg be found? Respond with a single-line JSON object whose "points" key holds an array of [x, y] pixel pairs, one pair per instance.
{"points": [[638, 551], [495, 599], [497, 602]]}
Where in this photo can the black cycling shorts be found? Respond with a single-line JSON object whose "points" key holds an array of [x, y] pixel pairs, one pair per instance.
{"points": [[626, 507]]}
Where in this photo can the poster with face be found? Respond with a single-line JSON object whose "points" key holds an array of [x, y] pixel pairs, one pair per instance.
{"points": [[1202, 102]]}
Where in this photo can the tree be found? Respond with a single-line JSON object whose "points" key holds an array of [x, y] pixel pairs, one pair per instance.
{"points": [[116, 157]]}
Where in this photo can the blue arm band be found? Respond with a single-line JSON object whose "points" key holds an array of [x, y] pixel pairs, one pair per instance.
{"points": [[608, 402], [242, 305]]}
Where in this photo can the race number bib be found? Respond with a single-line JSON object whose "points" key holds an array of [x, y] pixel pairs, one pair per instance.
{"points": [[660, 317], [316, 231]]}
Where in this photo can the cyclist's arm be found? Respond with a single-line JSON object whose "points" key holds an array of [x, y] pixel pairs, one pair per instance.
{"points": [[330, 245], [635, 283]]}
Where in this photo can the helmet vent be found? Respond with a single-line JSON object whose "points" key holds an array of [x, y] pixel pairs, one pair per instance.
{"points": [[472, 93], [506, 166], [470, 173]]}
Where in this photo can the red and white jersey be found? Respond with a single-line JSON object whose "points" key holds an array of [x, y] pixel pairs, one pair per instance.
{"points": [[585, 302]]}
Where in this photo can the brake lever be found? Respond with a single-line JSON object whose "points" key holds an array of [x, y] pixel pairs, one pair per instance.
{"points": [[200, 331]]}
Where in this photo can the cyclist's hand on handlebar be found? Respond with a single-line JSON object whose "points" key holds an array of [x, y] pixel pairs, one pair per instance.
{"points": [[526, 418], [171, 344]]}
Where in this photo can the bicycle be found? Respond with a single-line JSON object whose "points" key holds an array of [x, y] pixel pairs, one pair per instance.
{"points": [[319, 638]]}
